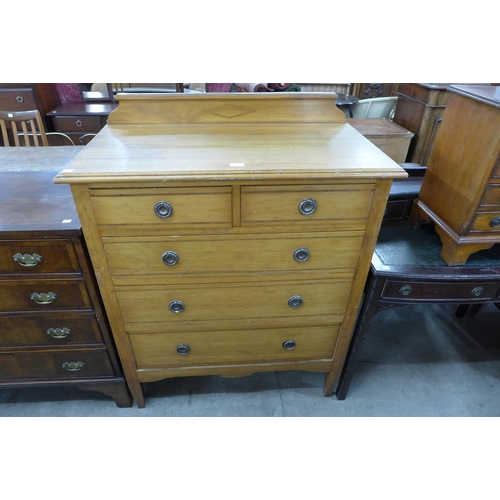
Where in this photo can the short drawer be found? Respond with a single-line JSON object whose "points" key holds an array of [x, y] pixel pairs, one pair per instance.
{"points": [[255, 253], [432, 291], [486, 221], [233, 347], [143, 304], [492, 195], [305, 204], [49, 330], [38, 257], [18, 100], [169, 207], [77, 123], [47, 296], [68, 364]]}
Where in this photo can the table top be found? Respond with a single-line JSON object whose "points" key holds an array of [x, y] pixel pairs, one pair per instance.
{"points": [[42, 158], [401, 249], [84, 108]]}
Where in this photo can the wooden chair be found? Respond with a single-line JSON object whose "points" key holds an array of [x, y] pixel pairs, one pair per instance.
{"points": [[31, 129]]}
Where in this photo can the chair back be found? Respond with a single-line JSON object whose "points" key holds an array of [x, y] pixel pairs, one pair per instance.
{"points": [[376, 107], [30, 127]]}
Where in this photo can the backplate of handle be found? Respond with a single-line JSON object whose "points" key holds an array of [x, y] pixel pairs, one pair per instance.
{"points": [[27, 260], [59, 333], [44, 297]]}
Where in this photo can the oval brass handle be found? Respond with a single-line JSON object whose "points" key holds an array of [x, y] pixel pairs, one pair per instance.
{"points": [[78, 123], [182, 349], [495, 222], [73, 366], [301, 254], [405, 290], [289, 344], [170, 258], [477, 291], [43, 298], [307, 206], [163, 209], [20, 98], [176, 306], [59, 333], [27, 260], [295, 301]]}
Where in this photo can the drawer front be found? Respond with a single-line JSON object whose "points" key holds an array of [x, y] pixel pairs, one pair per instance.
{"points": [[47, 296], [68, 364], [492, 196], [169, 207], [49, 330], [18, 100], [199, 254], [204, 302], [424, 290], [37, 257], [266, 204], [233, 347], [486, 221], [77, 124]]}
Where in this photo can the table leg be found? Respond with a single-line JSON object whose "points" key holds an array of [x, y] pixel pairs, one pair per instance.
{"points": [[369, 308]]}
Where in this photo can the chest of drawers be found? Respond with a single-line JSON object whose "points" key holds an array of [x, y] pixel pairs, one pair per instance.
{"points": [[230, 234], [53, 330], [460, 191]]}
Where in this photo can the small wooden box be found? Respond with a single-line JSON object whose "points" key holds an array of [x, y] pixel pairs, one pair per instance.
{"points": [[388, 136]]}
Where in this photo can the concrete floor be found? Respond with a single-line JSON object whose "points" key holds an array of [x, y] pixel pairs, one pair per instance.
{"points": [[418, 361]]}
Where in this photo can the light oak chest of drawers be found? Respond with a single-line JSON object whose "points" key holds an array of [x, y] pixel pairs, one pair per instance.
{"points": [[230, 233]]}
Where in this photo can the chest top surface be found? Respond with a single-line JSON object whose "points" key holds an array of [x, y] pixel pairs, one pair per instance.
{"points": [[232, 137]]}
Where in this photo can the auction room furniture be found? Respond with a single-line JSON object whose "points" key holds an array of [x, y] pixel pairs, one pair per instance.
{"points": [[376, 107], [81, 120], [230, 233], [388, 136], [420, 110], [406, 269], [53, 330], [346, 101], [461, 189]]}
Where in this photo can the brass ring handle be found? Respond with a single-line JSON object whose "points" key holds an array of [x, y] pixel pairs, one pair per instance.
{"points": [[295, 301], [301, 254], [170, 258], [59, 333], [78, 123], [182, 349], [477, 291], [73, 366], [307, 206], [176, 306], [20, 98], [405, 290], [27, 260], [163, 209], [495, 222], [289, 344], [43, 298]]}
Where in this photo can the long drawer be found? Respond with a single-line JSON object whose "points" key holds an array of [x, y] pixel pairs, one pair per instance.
{"points": [[247, 346], [143, 304], [48, 295], [38, 257], [87, 124], [18, 100], [56, 329], [75, 363], [209, 254]]}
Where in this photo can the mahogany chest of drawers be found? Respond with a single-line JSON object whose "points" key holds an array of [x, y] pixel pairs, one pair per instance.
{"points": [[53, 330], [230, 233], [460, 191]]}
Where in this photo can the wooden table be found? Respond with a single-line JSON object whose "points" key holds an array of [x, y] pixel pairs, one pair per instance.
{"points": [[406, 268]]}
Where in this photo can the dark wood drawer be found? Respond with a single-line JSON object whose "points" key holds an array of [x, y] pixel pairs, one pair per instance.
{"points": [[49, 330], [77, 123], [18, 100], [71, 363], [38, 257], [69, 295], [431, 292]]}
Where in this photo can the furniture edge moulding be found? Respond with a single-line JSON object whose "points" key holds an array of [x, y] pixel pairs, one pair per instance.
{"points": [[217, 108]]}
